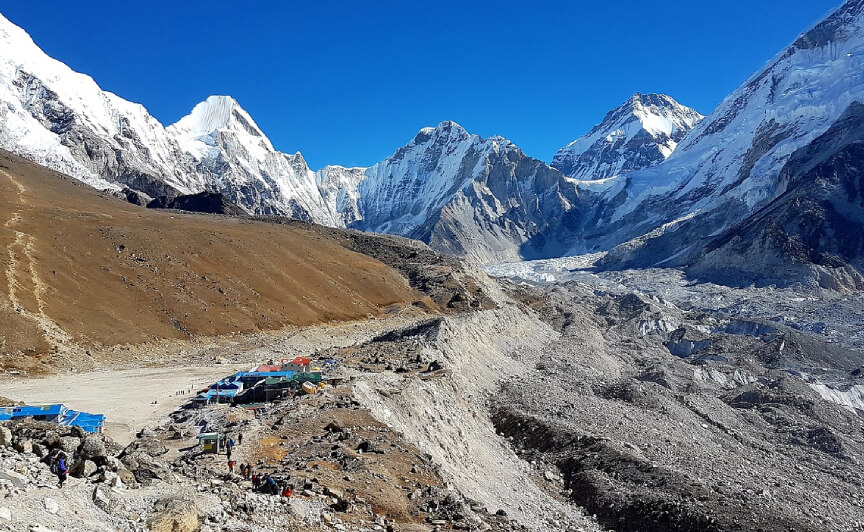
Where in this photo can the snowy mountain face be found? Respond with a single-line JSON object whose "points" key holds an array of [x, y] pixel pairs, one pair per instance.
{"points": [[654, 183], [238, 160], [811, 233], [640, 133], [338, 188], [63, 120], [729, 166], [463, 194]]}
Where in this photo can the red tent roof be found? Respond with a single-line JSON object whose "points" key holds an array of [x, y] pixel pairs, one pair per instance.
{"points": [[265, 368]]}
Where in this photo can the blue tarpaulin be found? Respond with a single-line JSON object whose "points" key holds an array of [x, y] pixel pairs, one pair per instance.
{"points": [[56, 413]]}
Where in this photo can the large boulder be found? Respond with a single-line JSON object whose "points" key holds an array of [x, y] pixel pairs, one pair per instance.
{"points": [[68, 444], [82, 468], [147, 444], [174, 514], [24, 446], [92, 448], [5, 437], [144, 467], [126, 477], [51, 505]]}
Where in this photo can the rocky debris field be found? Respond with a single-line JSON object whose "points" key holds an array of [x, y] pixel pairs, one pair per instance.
{"points": [[348, 471], [718, 436], [555, 407]]}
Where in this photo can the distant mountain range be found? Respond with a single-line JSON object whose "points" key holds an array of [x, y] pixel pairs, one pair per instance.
{"points": [[654, 184]]}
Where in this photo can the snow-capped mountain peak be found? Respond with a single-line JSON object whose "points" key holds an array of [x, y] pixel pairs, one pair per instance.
{"points": [[49, 113], [446, 131], [660, 114], [196, 132], [641, 132]]}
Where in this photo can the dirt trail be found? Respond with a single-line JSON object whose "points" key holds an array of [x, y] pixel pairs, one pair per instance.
{"points": [[22, 275]]}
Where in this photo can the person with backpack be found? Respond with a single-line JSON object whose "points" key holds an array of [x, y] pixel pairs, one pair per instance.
{"points": [[270, 486], [231, 464], [62, 469]]}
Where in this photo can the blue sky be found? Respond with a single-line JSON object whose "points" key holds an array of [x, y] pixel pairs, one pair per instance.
{"points": [[349, 82]]}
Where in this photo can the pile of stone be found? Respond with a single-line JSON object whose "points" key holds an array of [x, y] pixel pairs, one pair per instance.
{"points": [[39, 445]]}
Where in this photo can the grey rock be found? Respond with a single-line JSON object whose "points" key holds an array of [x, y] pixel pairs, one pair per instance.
{"points": [[51, 505], [91, 448], [69, 444]]}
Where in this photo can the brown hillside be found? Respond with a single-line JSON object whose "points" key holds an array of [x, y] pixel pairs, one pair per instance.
{"points": [[79, 267]]}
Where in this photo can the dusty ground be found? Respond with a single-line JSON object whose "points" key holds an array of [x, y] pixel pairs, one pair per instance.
{"points": [[81, 268], [130, 399], [133, 377]]}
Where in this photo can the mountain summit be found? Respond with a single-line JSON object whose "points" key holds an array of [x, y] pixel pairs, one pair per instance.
{"points": [[641, 132], [197, 131]]}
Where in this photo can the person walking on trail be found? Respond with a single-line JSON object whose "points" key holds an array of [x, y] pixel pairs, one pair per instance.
{"points": [[287, 491], [231, 464], [240, 439], [62, 470]]}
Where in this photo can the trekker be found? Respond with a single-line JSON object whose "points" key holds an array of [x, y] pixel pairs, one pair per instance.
{"points": [[287, 491], [270, 486], [62, 470], [231, 464], [240, 439]]}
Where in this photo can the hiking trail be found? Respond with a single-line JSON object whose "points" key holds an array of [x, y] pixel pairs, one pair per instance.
{"points": [[21, 275]]}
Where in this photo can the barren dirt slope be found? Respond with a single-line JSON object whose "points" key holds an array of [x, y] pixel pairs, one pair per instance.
{"points": [[78, 267]]}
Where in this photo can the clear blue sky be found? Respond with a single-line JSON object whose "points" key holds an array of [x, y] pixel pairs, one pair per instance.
{"points": [[349, 82]]}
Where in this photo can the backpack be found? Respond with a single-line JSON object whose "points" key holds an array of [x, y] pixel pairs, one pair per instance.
{"points": [[54, 469], [61, 465]]}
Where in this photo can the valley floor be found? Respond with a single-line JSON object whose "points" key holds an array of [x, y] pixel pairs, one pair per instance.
{"points": [[560, 406]]}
